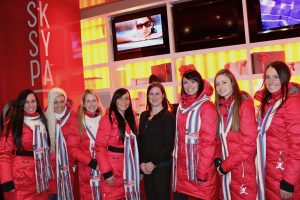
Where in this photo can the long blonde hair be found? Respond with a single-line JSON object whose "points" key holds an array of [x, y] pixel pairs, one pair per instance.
{"points": [[81, 109], [50, 114]]}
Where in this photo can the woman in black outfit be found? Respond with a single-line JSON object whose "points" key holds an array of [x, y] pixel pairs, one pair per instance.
{"points": [[156, 142]]}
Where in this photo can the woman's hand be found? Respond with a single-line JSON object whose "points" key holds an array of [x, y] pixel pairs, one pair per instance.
{"points": [[147, 168], [285, 195], [110, 181]]}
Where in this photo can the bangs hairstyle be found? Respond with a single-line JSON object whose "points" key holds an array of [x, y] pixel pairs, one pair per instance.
{"points": [[129, 116], [284, 74], [237, 99], [81, 109], [165, 102], [193, 75]]}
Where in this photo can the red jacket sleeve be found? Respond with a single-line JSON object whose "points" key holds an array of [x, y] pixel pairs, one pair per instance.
{"points": [[6, 149], [207, 137], [291, 174], [74, 145], [248, 133], [103, 136]]}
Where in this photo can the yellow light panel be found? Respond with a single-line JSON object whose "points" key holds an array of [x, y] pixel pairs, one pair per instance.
{"points": [[209, 64], [93, 29], [292, 51]]}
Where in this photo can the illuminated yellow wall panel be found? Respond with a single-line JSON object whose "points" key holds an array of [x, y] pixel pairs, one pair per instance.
{"points": [[209, 64], [93, 29], [292, 51], [139, 70], [97, 78], [94, 54]]}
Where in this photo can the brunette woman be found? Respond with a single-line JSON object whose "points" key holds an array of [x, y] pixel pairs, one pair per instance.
{"points": [[194, 173], [24, 151], [156, 142], [278, 144], [117, 150], [237, 131]]}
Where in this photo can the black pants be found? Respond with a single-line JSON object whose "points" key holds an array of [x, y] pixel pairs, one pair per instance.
{"points": [[180, 196], [157, 184]]}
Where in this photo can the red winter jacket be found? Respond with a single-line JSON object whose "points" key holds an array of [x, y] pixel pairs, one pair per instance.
{"points": [[283, 142], [241, 148], [69, 129], [19, 170], [206, 149], [79, 145], [110, 163]]}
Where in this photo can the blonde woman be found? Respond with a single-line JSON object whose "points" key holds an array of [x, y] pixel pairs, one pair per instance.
{"points": [[62, 125], [82, 145]]}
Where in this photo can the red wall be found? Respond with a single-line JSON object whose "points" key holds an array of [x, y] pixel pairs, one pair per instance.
{"points": [[40, 48]]}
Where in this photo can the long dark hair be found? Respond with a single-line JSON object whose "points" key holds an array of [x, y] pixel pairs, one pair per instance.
{"points": [[129, 116], [284, 74], [237, 98], [194, 75], [15, 124], [165, 102]]}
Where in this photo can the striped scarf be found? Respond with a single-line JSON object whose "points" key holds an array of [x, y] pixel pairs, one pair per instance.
{"points": [[263, 126], [223, 130], [131, 172], [91, 125], [193, 124], [64, 186], [43, 170]]}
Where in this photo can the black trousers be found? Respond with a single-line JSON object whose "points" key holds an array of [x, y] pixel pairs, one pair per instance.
{"points": [[180, 196], [157, 184]]}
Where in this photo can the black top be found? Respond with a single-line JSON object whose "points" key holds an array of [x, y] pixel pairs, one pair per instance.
{"points": [[156, 136]]}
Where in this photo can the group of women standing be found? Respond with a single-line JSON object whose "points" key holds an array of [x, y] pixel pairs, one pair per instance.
{"points": [[218, 150]]}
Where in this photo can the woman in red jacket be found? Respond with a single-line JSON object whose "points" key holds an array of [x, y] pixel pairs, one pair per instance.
{"points": [[25, 167], [117, 151], [278, 144], [62, 124], [237, 130], [82, 145], [194, 173]]}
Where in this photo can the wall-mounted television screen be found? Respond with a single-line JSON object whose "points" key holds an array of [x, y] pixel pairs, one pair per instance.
{"points": [[139, 34], [273, 19], [202, 24]]}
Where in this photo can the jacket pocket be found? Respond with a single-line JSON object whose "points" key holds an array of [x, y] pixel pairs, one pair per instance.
{"points": [[24, 172]]}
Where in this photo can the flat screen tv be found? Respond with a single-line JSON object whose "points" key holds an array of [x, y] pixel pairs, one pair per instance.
{"points": [[140, 34], [200, 24], [270, 19]]}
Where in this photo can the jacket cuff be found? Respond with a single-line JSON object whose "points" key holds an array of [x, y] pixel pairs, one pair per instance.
{"points": [[93, 164], [286, 186], [222, 170], [8, 186], [107, 175]]}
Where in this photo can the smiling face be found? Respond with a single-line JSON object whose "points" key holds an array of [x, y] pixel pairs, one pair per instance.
{"points": [[155, 97], [224, 86], [30, 105], [90, 103], [123, 103], [190, 86], [59, 104], [143, 26], [272, 81]]}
